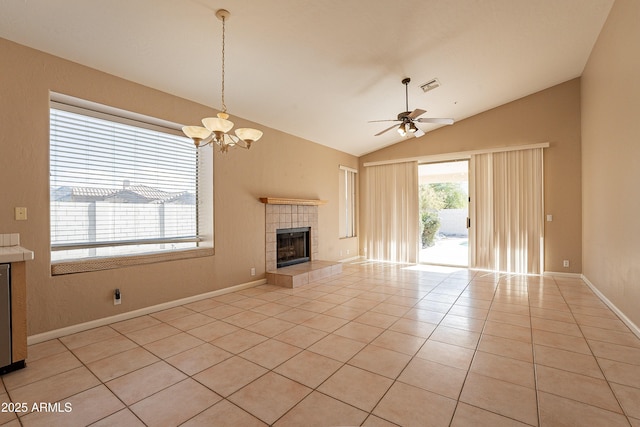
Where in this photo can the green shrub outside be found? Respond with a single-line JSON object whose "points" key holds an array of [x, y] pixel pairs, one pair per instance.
{"points": [[430, 226]]}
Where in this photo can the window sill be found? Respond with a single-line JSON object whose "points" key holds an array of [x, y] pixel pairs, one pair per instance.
{"points": [[97, 264]]}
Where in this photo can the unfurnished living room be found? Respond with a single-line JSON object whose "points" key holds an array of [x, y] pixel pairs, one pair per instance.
{"points": [[319, 213]]}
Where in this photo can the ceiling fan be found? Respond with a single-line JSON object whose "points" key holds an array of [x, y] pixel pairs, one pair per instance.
{"points": [[408, 119]]}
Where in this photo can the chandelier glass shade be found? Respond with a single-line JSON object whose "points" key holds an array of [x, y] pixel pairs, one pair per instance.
{"points": [[216, 129]]}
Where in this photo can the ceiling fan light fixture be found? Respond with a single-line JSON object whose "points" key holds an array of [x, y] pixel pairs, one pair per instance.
{"points": [[407, 118], [402, 129]]}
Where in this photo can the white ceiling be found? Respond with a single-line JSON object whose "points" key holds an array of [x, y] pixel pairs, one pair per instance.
{"points": [[322, 69]]}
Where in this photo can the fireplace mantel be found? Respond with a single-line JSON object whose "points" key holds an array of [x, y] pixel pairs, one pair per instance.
{"points": [[286, 201]]}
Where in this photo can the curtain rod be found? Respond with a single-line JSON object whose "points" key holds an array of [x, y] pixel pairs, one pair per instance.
{"points": [[459, 155], [347, 168]]}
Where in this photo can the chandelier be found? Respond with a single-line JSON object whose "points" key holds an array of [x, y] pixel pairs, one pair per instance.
{"points": [[216, 129]]}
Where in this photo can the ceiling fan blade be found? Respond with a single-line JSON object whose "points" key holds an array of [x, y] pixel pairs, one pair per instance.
{"points": [[434, 120], [386, 130], [415, 113], [388, 120]]}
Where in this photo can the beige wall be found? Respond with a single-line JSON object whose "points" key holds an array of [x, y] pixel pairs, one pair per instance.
{"points": [[278, 165], [611, 160], [552, 115]]}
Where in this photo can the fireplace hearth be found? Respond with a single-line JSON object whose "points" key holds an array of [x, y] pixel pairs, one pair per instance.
{"points": [[294, 214], [292, 246]]}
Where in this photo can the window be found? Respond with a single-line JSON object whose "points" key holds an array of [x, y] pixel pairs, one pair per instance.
{"points": [[347, 203], [119, 186]]}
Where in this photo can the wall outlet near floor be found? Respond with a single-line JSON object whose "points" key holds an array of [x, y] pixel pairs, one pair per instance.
{"points": [[117, 297], [253, 271], [565, 263]]}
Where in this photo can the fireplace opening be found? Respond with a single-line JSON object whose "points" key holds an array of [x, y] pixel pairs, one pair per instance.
{"points": [[292, 246]]}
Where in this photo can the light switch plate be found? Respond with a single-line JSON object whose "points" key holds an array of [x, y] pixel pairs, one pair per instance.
{"points": [[21, 214]]}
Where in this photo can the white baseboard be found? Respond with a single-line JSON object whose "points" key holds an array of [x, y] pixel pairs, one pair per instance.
{"points": [[562, 274], [57, 333], [346, 260], [634, 328]]}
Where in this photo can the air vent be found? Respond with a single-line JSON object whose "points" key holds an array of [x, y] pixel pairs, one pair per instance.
{"points": [[430, 85]]}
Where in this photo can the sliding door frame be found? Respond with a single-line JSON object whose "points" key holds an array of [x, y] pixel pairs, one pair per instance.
{"points": [[464, 155]]}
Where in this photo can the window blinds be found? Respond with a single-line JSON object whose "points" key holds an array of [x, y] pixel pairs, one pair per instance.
{"points": [[347, 202], [118, 186]]}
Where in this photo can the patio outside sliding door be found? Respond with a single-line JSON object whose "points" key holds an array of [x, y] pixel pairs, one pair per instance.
{"points": [[444, 210]]}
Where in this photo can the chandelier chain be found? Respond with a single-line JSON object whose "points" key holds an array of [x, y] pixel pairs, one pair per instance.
{"points": [[224, 106]]}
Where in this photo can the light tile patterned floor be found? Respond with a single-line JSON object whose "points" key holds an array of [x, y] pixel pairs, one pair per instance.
{"points": [[378, 345]]}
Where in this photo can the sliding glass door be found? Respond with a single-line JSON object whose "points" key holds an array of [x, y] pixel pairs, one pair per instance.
{"points": [[479, 209]]}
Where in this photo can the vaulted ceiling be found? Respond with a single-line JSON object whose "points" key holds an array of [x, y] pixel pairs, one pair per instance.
{"points": [[322, 69]]}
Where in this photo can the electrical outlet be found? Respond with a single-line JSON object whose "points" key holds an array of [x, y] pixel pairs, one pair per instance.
{"points": [[253, 271], [565, 263], [117, 297]]}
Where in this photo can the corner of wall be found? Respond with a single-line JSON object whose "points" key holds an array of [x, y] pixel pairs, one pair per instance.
{"points": [[632, 326]]}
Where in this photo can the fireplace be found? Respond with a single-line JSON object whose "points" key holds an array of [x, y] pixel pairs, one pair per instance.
{"points": [[292, 246], [289, 213]]}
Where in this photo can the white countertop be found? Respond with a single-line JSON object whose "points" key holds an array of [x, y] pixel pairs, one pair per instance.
{"points": [[11, 251], [15, 254]]}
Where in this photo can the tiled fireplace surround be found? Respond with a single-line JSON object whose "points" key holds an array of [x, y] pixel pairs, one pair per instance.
{"points": [[289, 216], [280, 215]]}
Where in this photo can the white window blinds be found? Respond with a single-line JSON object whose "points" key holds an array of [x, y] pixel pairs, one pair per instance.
{"points": [[347, 201], [118, 186]]}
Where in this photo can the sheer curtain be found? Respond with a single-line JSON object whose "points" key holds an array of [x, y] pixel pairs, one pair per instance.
{"points": [[391, 212], [508, 211]]}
